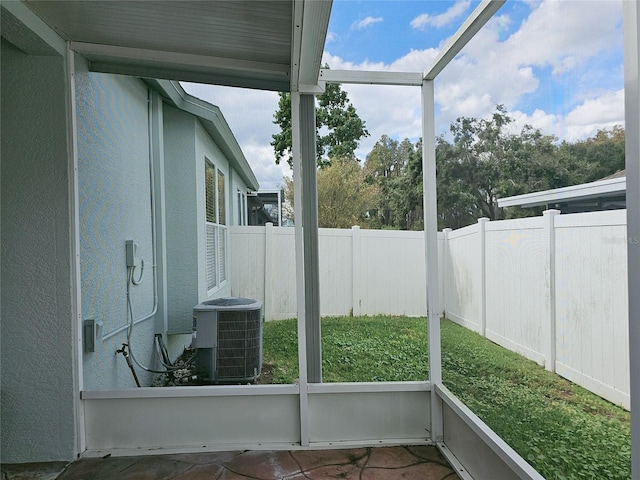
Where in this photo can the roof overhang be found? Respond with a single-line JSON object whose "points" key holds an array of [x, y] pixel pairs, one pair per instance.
{"points": [[583, 191], [213, 122], [243, 43]]}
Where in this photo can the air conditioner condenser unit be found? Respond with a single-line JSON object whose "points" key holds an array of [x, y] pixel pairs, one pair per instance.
{"points": [[228, 335]]}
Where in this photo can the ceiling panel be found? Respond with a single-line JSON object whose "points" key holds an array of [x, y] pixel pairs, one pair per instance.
{"points": [[255, 35], [251, 30]]}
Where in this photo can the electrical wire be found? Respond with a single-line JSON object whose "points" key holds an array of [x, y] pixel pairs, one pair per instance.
{"points": [[163, 355], [168, 366], [139, 280], [161, 351], [131, 325]]}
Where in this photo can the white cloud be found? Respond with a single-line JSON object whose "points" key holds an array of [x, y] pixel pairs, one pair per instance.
{"points": [[262, 163], [366, 22], [597, 113], [539, 119], [331, 37], [455, 11], [338, 63], [564, 35]]}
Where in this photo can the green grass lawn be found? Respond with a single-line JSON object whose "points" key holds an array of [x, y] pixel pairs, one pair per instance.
{"points": [[563, 430]]}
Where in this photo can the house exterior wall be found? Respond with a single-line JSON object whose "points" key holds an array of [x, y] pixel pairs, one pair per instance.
{"points": [[37, 383], [181, 194], [187, 144], [115, 206]]}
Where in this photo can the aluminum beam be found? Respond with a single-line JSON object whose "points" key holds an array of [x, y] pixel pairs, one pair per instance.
{"points": [[631, 20], [466, 32], [76, 283], [412, 79], [306, 244], [431, 253], [177, 59], [299, 248], [310, 235], [310, 24], [296, 43]]}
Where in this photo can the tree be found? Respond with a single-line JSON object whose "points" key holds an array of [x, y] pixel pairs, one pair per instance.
{"points": [[384, 164], [604, 153], [486, 162], [344, 197], [392, 166], [469, 169], [338, 127]]}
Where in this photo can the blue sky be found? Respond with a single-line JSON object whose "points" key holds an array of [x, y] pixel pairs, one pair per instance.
{"points": [[556, 65], [383, 32]]}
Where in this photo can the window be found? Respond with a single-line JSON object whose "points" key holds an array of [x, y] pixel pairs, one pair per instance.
{"points": [[242, 208], [215, 211]]}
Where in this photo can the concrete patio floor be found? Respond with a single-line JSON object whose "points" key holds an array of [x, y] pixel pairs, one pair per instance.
{"points": [[383, 463]]}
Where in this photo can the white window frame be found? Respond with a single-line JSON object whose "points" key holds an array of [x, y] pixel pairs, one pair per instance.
{"points": [[242, 207], [216, 228]]}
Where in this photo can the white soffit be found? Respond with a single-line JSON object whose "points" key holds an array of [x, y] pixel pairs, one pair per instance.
{"points": [[21, 27], [245, 43]]}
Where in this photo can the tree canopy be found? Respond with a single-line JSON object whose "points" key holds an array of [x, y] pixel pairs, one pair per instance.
{"points": [[338, 127], [396, 167], [481, 161], [486, 160], [344, 197]]}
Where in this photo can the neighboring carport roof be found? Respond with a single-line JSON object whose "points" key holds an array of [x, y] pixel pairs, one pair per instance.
{"points": [[213, 122], [264, 45], [584, 191]]}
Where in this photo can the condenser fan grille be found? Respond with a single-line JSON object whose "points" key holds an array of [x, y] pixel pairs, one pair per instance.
{"points": [[239, 345]]}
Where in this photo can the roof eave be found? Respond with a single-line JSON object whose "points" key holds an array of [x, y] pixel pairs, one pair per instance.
{"points": [[574, 192], [213, 122]]}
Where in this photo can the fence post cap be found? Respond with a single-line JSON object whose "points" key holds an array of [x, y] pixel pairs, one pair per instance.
{"points": [[551, 212], [355, 227], [483, 219]]}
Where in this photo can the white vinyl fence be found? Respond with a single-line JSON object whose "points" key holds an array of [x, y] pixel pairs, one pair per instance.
{"points": [[553, 288], [363, 272]]}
